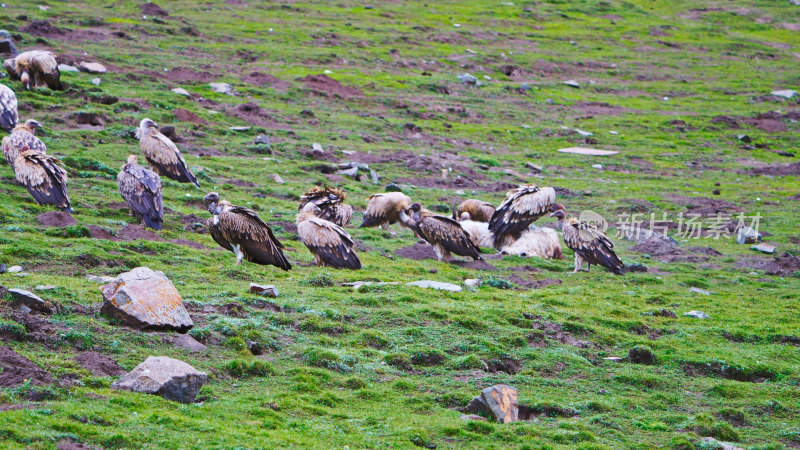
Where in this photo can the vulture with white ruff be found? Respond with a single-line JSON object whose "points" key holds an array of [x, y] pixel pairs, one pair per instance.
{"points": [[37, 66], [241, 231], [590, 244], [471, 209], [443, 233], [330, 204], [9, 117], [141, 189], [23, 136], [162, 154], [44, 179], [328, 242], [536, 241], [521, 207], [385, 209]]}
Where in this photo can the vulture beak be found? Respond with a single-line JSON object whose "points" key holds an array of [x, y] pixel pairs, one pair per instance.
{"points": [[34, 124]]}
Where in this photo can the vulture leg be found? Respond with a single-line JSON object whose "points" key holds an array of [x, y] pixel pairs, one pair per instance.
{"points": [[578, 263], [239, 255]]}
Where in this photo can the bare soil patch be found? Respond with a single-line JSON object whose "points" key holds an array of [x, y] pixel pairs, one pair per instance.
{"points": [[784, 265], [184, 75], [99, 364], [100, 233], [18, 369], [776, 170], [135, 232], [417, 252], [262, 79], [151, 9], [58, 219], [533, 284], [475, 265], [326, 85], [553, 331], [703, 205], [184, 115]]}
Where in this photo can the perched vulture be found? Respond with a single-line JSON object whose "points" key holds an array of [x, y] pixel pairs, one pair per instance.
{"points": [[141, 189], [522, 206], [328, 242], [162, 154], [22, 137], [443, 233], [39, 66], [330, 204], [472, 209], [535, 241], [589, 244], [241, 231], [385, 209], [43, 178], [8, 108]]}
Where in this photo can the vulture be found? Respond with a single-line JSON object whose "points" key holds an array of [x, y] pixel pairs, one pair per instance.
{"points": [[8, 108], [330, 204], [535, 241], [241, 231], [23, 136], [443, 233], [162, 154], [141, 189], [590, 244], [43, 178], [327, 241], [521, 207], [385, 209], [472, 209], [39, 66]]}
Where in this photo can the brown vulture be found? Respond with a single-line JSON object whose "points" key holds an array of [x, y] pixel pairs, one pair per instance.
{"points": [[330, 204], [328, 242], [241, 231], [385, 209], [43, 178], [521, 207], [23, 136], [443, 233], [162, 154], [141, 189], [472, 209], [590, 244], [38, 66], [8, 108], [536, 241]]}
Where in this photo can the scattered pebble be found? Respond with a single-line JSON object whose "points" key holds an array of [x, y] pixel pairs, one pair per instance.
{"points": [[67, 68], [44, 287], [764, 248], [597, 166], [583, 133], [699, 291], [95, 81], [222, 88], [181, 91], [571, 83], [277, 178], [697, 314], [472, 282], [748, 235], [99, 279], [262, 139], [435, 285], [268, 290], [15, 269], [92, 67], [587, 151], [468, 79], [787, 93], [239, 128], [613, 132]]}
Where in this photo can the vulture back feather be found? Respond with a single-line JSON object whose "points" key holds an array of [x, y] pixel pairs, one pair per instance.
{"points": [[521, 207], [473, 209], [592, 245], [22, 138], [141, 189], [162, 154], [443, 232], [328, 242], [44, 179], [385, 208], [330, 204], [9, 117]]}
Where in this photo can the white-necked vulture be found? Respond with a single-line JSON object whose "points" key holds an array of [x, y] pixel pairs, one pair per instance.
{"points": [[384, 209], [23, 136], [330, 204], [590, 244], [162, 154], [443, 233], [521, 207], [141, 189], [43, 178], [9, 117], [37, 66], [328, 242], [472, 209], [241, 231]]}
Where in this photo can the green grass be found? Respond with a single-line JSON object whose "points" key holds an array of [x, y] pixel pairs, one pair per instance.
{"points": [[388, 365]]}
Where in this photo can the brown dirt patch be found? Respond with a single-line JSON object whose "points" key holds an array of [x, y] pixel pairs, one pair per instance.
{"points": [[328, 86], [703, 205], [184, 75], [43, 28], [533, 284], [288, 227], [58, 219], [591, 109], [553, 331], [99, 364], [184, 115], [417, 252], [784, 265], [189, 243], [439, 183], [100, 233], [475, 265], [37, 329], [777, 170], [151, 9], [664, 250], [135, 232], [18, 369], [262, 79], [255, 115]]}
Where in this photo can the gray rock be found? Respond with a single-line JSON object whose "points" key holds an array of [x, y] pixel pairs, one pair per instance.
{"points": [[571, 83], [641, 355], [146, 299], [45, 287], [7, 45], [468, 79], [187, 342], [3, 268], [265, 290], [277, 178], [263, 140], [21, 297], [764, 248], [695, 290], [67, 68], [239, 128], [15, 269], [95, 81], [181, 91], [748, 235], [393, 188], [91, 67], [499, 401], [583, 133], [472, 417], [159, 375], [472, 282], [222, 88], [697, 314], [786, 93], [375, 177], [22, 274], [435, 285], [316, 147], [525, 87], [744, 138], [709, 442], [351, 172], [99, 279]]}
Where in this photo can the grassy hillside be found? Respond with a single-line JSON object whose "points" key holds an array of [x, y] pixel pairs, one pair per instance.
{"points": [[676, 81]]}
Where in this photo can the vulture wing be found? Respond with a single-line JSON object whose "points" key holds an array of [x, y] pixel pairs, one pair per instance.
{"points": [[329, 242], [592, 245], [519, 210], [16, 141], [44, 179], [141, 189], [47, 70], [216, 233], [340, 214], [8, 108], [449, 234], [382, 208], [242, 226], [165, 157]]}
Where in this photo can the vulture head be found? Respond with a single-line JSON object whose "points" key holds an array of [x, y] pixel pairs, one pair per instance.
{"points": [[11, 67], [309, 211], [415, 209], [25, 78], [559, 214], [144, 127], [211, 198], [32, 126], [132, 159]]}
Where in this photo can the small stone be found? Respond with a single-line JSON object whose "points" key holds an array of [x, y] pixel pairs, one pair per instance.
{"points": [[255, 347], [613, 358], [265, 290], [583, 133], [697, 314], [374, 176], [95, 81], [351, 172], [468, 79], [613, 132], [744, 138], [587, 151], [44, 287], [641, 355], [764, 248], [181, 91], [525, 87], [472, 417], [221, 88], [3, 268], [709, 442], [262, 139], [91, 67], [277, 178], [317, 147], [15, 269], [534, 167], [571, 83], [24, 309], [22, 274], [98, 279], [428, 284], [159, 375], [67, 68], [597, 166], [695, 290], [787, 93], [472, 282], [187, 342], [748, 235], [239, 128], [21, 297], [44, 7]]}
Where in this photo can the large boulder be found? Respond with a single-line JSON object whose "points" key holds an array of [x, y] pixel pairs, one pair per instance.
{"points": [[499, 401], [172, 379], [146, 299], [21, 297]]}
